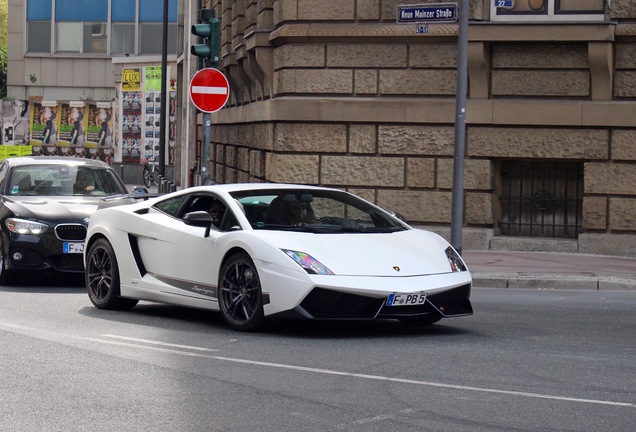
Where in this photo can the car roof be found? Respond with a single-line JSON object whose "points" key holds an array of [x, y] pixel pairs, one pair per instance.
{"points": [[236, 187], [57, 160]]}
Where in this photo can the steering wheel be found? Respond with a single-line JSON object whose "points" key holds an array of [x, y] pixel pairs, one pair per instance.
{"points": [[325, 221]]}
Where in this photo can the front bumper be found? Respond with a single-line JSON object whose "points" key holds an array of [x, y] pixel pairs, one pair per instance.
{"points": [[328, 304]]}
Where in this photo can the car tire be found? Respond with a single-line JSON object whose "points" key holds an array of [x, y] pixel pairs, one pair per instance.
{"points": [[421, 320], [7, 277], [240, 295], [102, 278]]}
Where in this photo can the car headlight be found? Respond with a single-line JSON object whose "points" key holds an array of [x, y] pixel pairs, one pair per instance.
{"points": [[307, 262], [22, 226], [456, 262]]}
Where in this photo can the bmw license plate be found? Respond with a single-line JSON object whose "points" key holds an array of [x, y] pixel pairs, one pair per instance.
{"points": [[406, 299], [73, 247]]}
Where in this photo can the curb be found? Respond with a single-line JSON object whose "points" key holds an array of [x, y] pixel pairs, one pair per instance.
{"points": [[517, 281]]}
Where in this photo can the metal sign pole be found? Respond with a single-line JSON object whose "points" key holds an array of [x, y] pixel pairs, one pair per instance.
{"points": [[457, 209]]}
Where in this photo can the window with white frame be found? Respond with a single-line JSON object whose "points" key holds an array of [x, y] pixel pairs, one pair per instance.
{"points": [[547, 10], [70, 26]]}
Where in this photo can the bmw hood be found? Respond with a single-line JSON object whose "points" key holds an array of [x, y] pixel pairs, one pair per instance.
{"points": [[405, 253], [52, 208]]}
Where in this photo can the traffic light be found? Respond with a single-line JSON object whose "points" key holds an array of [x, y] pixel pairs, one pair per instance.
{"points": [[209, 41]]}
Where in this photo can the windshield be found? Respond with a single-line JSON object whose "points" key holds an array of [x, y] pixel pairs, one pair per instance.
{"points": [[63, 180], [314, 211]]}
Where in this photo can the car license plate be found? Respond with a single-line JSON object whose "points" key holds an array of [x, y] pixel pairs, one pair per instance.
{"points": [[406, 299], [73, 247]]}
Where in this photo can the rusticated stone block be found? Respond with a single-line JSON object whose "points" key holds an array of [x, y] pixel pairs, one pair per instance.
{"points": [[310, 137], [230, 156], [313, 81], [430, 82], [362, 138], [625, 56], [299, 55], [624, 145], [537, 143], [610, 178], [367, 194], [291, 168], [420, 173], [622, 214], [220, 154], [622, 9], [416, 140], [540, 83], [417, 206], [595, 212], [366, 55], [285, 10], [219, 173], [310, 10], [573, 56], [243, 159], [478, 174], [478, 209], [368, 10], [362, 171], [625, 84], [608, 244], [433, 55], [257, 163], [366, 81]]}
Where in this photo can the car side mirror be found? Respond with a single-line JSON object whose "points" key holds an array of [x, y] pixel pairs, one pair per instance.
{"points": [[199, 219]]}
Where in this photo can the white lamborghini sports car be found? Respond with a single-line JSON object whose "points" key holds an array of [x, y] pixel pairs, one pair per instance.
{"points": [[253, 251]]}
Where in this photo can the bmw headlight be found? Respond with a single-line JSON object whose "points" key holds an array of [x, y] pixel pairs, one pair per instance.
{"points": [[22, 226], [455, 261], [307, 262]]}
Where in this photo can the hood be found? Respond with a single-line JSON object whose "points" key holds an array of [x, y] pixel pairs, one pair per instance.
{"points": [[405, 253], [52, 208]]}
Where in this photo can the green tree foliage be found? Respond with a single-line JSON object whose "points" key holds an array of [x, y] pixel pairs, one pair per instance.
{"points": [[3, 72], [4, 22]]}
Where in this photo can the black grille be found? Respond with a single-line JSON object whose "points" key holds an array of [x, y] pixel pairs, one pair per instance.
{"points": [[541, 199], [326, 304], [70, 232]]}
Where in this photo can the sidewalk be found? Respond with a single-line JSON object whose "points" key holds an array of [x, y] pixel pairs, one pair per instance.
{"points": [[547, 270]]}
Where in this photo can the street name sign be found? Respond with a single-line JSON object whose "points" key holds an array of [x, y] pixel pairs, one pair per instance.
{"points": [[427, 13], [209, 90]]}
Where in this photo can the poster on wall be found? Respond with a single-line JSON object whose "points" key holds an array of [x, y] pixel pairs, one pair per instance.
{"points": [[152, 113], [130, 119], [99, 131], [44, 127], [16, 121], [172, 123], [72, 128]]}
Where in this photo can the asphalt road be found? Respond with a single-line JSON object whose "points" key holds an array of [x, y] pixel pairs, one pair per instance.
{"points": [[528, 360]]}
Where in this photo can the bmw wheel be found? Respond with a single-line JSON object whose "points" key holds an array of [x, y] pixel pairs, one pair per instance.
{"points": [[240, 297], [102, 278]]}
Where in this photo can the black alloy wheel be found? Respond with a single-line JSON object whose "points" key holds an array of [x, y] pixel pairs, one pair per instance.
{"points": [[102, 278], [240, 296]]}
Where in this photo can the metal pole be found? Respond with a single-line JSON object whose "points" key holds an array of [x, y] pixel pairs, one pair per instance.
{"points": [[164, 77], [457, 209], [205, 151]]}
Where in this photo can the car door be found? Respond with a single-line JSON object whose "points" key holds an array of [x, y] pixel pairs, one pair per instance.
{"points": [[177, 255]]}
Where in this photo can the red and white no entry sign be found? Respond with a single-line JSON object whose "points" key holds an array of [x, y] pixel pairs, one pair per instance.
{"points": [[209, 90]]}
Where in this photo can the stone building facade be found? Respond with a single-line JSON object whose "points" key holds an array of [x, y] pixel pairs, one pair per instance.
{"points": [[339, 94]]}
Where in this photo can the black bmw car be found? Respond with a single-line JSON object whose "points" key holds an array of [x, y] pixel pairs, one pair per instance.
{"points": [[44, 210]]}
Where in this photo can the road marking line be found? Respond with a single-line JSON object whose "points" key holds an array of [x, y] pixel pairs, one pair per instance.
{"points": [[151, 342], [374, 377]]}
